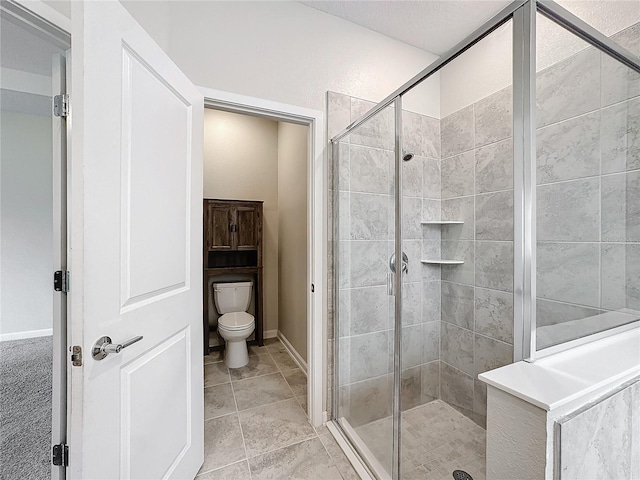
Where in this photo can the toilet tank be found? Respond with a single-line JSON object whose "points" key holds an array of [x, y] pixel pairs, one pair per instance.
{"points": [[232, 297]]}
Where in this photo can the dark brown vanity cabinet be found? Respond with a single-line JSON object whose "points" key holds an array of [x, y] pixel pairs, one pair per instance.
{"points": [[232, 244]]}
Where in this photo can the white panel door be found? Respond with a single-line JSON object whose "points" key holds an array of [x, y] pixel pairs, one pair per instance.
{"points": [[136, 242]]}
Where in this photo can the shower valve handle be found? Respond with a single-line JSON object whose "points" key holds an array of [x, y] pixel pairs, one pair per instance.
{"points": [[405, 263]]}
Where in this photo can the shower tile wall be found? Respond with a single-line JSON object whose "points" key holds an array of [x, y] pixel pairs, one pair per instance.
{"points": [[366, 243], [588, 229], [588, 201], [477, 298], [588, 175]]}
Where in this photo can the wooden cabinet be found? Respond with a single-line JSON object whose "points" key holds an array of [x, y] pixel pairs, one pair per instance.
{"points": [[232, 225], [247, 228], [218, 226], [232, 245]]}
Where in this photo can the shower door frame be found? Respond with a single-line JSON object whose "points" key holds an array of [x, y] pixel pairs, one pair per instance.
{"points": [[523, 13]]}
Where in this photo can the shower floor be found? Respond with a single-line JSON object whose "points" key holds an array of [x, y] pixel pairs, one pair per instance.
{"points": [[436, 440]]}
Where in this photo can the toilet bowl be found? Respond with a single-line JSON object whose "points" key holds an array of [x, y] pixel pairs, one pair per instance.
{"points": [[235, 328], [235, 325]]}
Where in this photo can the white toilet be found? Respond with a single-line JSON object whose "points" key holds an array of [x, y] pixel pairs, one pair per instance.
{"points": [[235, 324]]}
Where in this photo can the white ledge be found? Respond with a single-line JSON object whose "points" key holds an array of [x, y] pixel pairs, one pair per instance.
{"points": [[443, 262], [442, 222], [561, 378]]}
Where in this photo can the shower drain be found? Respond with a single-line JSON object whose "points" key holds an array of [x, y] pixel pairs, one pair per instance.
{"points": [[461, 475]]}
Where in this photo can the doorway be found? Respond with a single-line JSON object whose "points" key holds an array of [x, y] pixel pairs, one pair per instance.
{"points": [[316, 178], [252, 159], [266, 158], [33, 244]]}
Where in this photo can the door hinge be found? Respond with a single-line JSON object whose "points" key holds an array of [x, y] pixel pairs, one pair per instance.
{"points": [[61, 281], [60, 456], [61, 105], [76, 355], [313, 288]]}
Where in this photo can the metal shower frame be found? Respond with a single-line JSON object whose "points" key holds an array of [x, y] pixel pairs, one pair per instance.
{"points": [[523, 14]]}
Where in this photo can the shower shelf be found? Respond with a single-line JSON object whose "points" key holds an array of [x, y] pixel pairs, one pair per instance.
{"points": [[443, 222], [443, 262]]}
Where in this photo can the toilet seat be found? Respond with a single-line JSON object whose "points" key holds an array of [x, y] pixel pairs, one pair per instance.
{"points": [[235, 321]]}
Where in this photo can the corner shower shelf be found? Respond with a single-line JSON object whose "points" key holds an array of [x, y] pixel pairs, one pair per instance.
{"points": [[443, 262], [443, 222]]}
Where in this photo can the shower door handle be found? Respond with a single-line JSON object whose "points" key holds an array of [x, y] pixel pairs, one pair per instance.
{"points": [[391, 290]]}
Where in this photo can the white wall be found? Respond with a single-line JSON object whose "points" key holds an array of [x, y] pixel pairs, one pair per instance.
{"points": [[282, 51], [26, 215], [286, 51], [241, 163], [292, 234], [480, 71]]}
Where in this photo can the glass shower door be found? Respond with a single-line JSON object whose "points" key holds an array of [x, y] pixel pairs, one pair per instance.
{"points": [[364, 180]]}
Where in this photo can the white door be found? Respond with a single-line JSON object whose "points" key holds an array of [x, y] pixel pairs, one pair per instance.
{"points": [[136, 243]]}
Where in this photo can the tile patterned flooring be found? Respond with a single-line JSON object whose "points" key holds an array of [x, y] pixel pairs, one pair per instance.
{"points": [[256, 426], [436, 440]]}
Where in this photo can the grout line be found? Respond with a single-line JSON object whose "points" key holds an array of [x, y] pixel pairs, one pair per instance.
{"points": [[219, 468], [285, 446], [593, 242], [244, 444], [285, 379], [587, 177]]}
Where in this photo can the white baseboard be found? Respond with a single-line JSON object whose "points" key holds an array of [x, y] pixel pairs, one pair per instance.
{"points": [[293, 352], [270, 334], [5, 337]]}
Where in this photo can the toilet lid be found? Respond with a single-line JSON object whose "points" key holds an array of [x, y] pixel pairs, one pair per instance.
{"points": [[235, 320]]}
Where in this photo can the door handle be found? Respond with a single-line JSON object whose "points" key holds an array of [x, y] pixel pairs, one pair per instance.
{"points": [[391, 289], [104, 346]]}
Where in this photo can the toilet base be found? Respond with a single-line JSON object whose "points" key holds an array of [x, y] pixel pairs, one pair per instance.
{"points": [[236, 353]]}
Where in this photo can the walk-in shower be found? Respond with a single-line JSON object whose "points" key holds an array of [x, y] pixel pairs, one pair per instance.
{"points": [[517, 219]]}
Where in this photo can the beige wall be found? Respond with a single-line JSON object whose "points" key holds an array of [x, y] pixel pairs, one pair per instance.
{"points": [[241, 163], [292, 234]]}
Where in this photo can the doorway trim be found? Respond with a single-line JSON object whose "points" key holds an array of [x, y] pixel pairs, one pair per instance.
{"points": [[316, 226], [55, 28]]}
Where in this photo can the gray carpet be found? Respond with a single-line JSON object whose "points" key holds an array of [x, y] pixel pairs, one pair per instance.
{"points": [[25, 409]]}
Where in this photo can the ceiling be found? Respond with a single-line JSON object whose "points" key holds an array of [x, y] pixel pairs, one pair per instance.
{"points": [[438, 25], [434, 26]]}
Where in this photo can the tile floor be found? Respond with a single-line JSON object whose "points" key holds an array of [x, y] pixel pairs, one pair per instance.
{"points": [[256, 426], [436, 440]]}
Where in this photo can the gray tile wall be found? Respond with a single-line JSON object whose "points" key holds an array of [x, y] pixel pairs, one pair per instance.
{"points": [[366, 174], [602, 441], [588, 210], [458, 320], [477, 298], [588, 195]]}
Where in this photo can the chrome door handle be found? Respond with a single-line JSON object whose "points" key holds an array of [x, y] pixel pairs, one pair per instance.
{"points": [[391, 289], [104, 346]]}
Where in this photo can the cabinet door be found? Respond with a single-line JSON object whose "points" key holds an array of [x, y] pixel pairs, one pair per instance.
{"points": [[220, 218], [247, 221]]}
